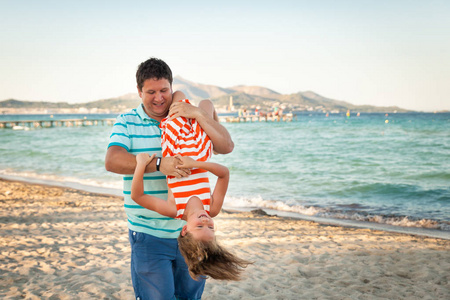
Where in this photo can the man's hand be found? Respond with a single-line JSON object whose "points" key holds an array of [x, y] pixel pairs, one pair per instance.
{"points": [[183, 109], [170, 167]]}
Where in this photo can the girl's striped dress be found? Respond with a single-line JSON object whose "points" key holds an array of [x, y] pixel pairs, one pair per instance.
{"points": [[185, 137]]}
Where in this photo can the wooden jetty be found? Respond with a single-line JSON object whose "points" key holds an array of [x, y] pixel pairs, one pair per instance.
{"points": [[28, 124], [254, 118]]}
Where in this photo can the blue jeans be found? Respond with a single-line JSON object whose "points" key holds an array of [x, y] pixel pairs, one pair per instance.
{"points": [[158, 269]]}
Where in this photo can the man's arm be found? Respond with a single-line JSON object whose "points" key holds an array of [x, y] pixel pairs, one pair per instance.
{"points": [[119, 160], [207, 117], [137, 190]]}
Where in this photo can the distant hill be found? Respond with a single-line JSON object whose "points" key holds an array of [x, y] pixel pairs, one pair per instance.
{"points": [[243, 100], [113, 104], [120, 103], [256, 90], [308, 100], [243, 97], [256, 96], [196, 91], [13, 103]]}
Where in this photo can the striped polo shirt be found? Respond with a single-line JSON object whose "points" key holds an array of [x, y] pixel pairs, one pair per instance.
{"points": [[138, 133]]}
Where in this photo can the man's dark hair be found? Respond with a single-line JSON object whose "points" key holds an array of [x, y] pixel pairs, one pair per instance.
{"points": [[153, 68]]}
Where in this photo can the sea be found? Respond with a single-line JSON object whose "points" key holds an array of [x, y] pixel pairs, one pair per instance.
{"points": [[367, 170]]}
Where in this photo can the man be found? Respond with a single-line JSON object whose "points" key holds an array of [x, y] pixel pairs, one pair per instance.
{"points": [[158, 270]]}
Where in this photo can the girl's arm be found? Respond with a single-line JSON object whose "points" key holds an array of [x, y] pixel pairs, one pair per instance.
{"points": [[137, 189], [223, 177], [219, 193], [119, 160]]}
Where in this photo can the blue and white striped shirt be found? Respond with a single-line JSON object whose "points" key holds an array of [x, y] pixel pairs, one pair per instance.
{"points": [[138, 133]]}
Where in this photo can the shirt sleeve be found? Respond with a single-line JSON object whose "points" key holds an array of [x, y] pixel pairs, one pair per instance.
{"points": [[119, 134]]}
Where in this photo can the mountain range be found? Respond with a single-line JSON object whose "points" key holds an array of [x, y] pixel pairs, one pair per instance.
{"points": [[243, 97]]}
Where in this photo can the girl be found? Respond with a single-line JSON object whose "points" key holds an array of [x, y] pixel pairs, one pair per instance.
{"points": [[190, 198]]}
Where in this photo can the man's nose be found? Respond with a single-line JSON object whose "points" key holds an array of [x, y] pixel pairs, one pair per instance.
{"points": [[158, 96]]}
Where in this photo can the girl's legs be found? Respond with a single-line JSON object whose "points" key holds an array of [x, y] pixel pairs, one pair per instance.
{"points": [[208, 106]]}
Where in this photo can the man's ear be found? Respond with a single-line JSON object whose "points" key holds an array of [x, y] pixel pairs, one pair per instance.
{"points": [[139, 91], [184, 230]]}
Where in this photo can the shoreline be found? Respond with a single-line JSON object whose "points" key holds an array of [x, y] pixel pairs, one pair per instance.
{"points": [[63, 243], [419, 231]]}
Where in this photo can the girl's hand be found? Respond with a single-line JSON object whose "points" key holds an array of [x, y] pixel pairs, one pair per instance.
{"points": [[144, 158], [186, 161]]}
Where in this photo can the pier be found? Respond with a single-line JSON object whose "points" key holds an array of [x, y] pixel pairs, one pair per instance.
{"points": [[28, 124]]}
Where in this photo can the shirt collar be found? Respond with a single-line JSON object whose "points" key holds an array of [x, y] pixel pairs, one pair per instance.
{"points": [[141, 112]]}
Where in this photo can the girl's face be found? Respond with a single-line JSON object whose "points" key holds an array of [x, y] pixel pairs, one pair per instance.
{"points": [[200, 226]]}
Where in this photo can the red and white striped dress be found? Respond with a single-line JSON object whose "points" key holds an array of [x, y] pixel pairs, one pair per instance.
{"points": [[186, 137]]}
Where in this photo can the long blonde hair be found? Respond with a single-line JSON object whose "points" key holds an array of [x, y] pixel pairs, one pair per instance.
{"points": [[211, 259]]}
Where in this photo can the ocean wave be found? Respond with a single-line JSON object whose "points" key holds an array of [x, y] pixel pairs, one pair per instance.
{"points": [[348, 213], [403, 221], [352, 211], [259, 202]]}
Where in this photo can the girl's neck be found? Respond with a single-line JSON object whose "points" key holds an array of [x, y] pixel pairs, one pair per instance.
{"points": [[194, 205]]}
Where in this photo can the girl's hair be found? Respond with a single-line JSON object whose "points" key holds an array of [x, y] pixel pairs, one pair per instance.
{"points": [[211, 259]]}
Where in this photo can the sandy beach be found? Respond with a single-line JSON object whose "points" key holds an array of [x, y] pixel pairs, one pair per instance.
{"points": [[59, 243]]}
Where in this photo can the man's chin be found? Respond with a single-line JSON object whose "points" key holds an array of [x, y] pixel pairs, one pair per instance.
{"points": [[164, 113], [156, 112]]}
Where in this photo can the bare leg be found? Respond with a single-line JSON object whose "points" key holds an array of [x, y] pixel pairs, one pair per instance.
{"points": [[178, 96], [208, 106]]}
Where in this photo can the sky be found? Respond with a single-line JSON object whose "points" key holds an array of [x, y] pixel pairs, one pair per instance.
{"points": [[383, 53]]}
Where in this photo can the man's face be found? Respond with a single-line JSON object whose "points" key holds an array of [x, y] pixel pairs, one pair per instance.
{"points": [[156, 95]]}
